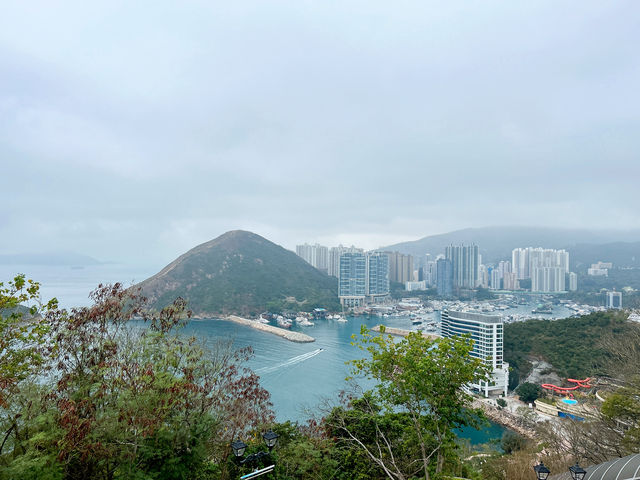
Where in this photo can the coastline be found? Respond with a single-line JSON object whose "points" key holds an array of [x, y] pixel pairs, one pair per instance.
{"points": [[281, 332], [504, 418], [400, 332]]}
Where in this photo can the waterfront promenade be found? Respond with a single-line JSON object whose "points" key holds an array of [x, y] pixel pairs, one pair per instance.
{"points": [[281, 332]]}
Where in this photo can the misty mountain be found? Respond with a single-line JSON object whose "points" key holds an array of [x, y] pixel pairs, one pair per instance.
{"points": [[496, 243], [51, 259], [243, 273], [622, 254]]}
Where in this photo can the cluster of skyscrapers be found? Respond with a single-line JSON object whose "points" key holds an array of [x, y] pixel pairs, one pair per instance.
{"points": [[547, 268], [460, 268]]}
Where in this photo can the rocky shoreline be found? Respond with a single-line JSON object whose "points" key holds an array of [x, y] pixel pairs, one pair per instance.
{"points": [[505, 418]]}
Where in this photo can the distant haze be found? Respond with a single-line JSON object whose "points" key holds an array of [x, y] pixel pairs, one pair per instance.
{"points": [[133, 131]]}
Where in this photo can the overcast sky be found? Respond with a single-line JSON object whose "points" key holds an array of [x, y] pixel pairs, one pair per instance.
{"points": [[133, 131]]}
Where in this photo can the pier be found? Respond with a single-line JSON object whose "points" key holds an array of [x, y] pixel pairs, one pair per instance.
{"points": [[281, 332], [401, 332]]}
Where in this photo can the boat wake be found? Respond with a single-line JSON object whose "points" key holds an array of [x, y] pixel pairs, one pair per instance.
{"points": [[290, 362]]}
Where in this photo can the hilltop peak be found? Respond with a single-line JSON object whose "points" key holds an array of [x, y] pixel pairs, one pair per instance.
{"points": [[240, 272]]}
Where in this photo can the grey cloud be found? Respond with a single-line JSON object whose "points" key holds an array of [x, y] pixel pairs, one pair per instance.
{"points": [[138, 130]]}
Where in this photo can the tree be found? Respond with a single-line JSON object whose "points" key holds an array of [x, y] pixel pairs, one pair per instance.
{"points": [[512, 442], [21, 334], [126, 395], [407, 421], [528, 392]]}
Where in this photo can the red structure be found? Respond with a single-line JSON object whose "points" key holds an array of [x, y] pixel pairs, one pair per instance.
{"points": [[565, 390]]}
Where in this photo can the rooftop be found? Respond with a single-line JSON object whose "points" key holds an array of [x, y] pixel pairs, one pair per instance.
{"points": [[626, 468], [477, 317]]}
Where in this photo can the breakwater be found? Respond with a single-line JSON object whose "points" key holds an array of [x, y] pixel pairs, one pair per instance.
{"points": [[400, 332], [281, 332]]}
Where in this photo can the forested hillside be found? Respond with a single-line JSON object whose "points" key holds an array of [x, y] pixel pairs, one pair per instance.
{"points": [[574, 346]]}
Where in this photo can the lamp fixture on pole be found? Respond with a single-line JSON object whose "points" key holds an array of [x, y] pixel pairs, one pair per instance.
{"points": [[542, 472], [239, 448], [577, 472]]}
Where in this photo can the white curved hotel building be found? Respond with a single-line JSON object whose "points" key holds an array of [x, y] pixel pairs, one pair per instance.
{"points": [[487, 332]]}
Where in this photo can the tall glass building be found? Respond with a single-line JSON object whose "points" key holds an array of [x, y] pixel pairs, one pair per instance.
{"points": [[465, 261], [487, 332], [444, 277], [364, 277]]}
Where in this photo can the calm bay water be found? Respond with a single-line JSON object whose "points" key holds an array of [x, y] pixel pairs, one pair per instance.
{"points": [[303, 378]]}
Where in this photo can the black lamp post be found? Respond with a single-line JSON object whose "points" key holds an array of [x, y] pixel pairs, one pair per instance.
{"points": [[239, 447], [542, 472], [577, 472]]}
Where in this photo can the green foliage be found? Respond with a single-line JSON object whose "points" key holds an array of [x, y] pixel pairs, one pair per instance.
{"points": [[21, 332], [512, 442], [572, 345], [624, 407], [303, 452], [125, 400], [529, 392], [416, 404], [245, 274], [501, 402]]}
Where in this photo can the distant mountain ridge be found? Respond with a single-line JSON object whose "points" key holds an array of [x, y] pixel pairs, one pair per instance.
{"points": [[496, 243], [52, 258], [241, 273]]}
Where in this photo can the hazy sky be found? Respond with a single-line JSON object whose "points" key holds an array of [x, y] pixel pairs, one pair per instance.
{"points": [[132, 131]]}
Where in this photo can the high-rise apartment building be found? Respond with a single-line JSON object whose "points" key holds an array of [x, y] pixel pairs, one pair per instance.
{"points": [[316, 255], [364, 277], [431, 273], [510, 281], [545, 267], [465, 262], [496, 279], [504, 267], [483, 276], [487, 332], [377, 276], [333, 264], [352, 280], [547, 279], [573, 282], [400, 267], [444, 277]]}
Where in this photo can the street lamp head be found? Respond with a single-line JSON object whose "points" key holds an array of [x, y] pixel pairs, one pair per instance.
{"points": [[270, 438], [542, 472], [577, 472], [238, 448]]}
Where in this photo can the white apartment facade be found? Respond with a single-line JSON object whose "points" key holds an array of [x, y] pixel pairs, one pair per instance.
{"points": [[487, 332]]}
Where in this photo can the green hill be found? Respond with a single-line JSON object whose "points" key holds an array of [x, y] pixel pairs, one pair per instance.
{"points": [[242, 273], [573, 346]]}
